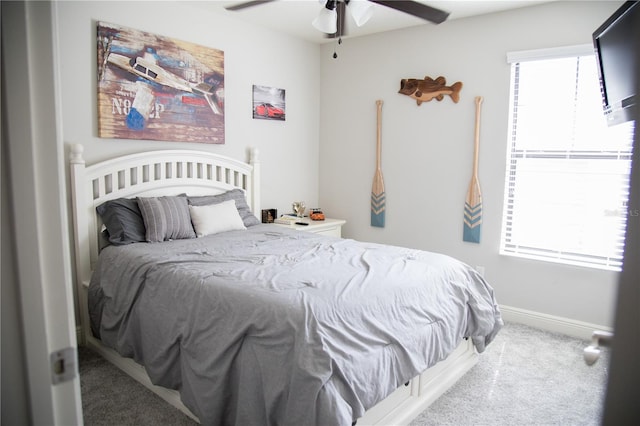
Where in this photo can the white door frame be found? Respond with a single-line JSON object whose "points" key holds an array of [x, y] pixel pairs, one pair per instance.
{"points": [[38, 200]]}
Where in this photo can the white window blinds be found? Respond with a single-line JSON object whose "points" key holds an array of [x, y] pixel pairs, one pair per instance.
{"points": [[567, 172]]}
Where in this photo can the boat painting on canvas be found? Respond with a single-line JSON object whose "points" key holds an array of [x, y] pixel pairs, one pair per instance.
{"points": [[158, 88]]}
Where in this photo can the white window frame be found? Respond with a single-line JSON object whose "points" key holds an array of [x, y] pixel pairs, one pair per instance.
{"points": [[509, 243]]}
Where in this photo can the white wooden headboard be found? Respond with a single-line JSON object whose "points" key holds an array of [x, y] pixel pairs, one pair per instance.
{"points": [[154, 173]]}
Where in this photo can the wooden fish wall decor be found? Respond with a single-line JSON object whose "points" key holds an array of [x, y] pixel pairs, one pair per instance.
{"points": [[428, 89]]}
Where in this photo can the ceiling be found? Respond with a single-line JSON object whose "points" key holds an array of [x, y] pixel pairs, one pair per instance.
{"points": [[294, 17]]}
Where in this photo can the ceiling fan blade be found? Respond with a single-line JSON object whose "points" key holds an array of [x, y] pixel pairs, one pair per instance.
{"points": [[417, 9], [246, 4], [342, 12]]}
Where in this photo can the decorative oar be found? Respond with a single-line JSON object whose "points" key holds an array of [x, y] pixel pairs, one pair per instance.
{"points": [[377, 190], [473, 202]]}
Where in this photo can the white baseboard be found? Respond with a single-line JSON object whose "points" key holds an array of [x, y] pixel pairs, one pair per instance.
{"points": [[570, 327]]}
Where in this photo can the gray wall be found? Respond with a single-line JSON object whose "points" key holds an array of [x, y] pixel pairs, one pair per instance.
{"points": [[324, 153], [427, 150], [289, 149]]}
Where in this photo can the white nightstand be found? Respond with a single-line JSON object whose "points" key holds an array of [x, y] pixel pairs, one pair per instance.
{"points": [[330, 227]]}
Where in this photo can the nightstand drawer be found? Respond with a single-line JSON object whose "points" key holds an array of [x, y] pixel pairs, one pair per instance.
{"points": [[336, 231], [328, 227]]}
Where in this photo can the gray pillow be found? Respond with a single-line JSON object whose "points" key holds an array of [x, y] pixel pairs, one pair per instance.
{"points": [[235, 194], [166, 218], [123, 221]]}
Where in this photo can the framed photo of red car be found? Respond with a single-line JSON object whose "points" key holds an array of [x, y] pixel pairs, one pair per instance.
{"points": [[158, 88], [268, 103]]}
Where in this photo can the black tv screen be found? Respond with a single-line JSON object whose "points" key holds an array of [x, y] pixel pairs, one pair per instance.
{"points": [[614, 47]]}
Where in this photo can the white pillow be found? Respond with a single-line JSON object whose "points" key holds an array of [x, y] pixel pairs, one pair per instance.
{"points": [[216, 218]]}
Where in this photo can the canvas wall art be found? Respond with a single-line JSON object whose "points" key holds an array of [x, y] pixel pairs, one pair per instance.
{"points": [[268, 103], [158, 88]]}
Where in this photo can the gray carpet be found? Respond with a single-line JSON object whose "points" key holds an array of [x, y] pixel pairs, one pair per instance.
{"points": [[110, 397], [525, 377]]}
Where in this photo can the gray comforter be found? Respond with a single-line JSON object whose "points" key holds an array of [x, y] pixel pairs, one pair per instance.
{"points": [[274, 326]]}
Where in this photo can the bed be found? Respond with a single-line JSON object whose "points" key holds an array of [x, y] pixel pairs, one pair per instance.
{"points": [[238, 322]]}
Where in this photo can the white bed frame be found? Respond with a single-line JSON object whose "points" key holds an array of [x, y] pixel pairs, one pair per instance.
{"points": [[171, 172]]}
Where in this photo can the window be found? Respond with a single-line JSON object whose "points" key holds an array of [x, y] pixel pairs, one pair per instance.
{"points": [[567, 183]]}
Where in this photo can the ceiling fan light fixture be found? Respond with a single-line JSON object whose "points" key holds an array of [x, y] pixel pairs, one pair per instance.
{"points": [[326, 21], [361, 11]]}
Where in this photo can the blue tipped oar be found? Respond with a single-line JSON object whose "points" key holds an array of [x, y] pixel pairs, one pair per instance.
{"points": [[473, 202], [377, 190]]}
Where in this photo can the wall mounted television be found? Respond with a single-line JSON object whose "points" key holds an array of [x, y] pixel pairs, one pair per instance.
{"points": [[614, 47]]}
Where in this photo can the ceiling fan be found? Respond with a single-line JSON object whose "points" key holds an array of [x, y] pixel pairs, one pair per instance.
{"points": [[331, 19]]}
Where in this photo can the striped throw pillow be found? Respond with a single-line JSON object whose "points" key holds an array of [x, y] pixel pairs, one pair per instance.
{"points": [[166, 218]]}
